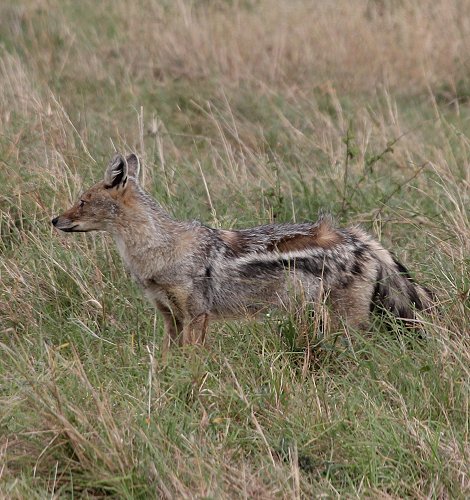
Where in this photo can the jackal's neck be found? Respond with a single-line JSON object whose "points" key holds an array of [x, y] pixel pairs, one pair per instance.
{"points": [[145, 225]]}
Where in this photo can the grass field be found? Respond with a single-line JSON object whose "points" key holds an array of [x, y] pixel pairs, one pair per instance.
{"points": [[244, 112]]}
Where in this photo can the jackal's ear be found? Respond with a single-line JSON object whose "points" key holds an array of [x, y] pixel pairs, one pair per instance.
{"points": [[116, 173], [133, 166]]}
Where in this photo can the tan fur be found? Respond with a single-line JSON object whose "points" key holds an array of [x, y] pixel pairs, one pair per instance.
{"points": [[324, 237], [233, 240], [352, 305]]}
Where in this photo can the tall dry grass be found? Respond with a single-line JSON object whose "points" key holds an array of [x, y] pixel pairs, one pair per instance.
{"points": [[354, 45], [351, 45]]}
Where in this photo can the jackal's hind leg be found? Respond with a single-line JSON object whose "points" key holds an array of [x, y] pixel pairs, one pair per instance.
{"points": [[351, 305]]}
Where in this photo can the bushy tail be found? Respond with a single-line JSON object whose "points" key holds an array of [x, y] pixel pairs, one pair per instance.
{"points": [[397, 292]]}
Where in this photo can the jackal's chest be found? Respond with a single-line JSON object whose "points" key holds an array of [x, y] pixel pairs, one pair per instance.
{"points": [[140, 261]]}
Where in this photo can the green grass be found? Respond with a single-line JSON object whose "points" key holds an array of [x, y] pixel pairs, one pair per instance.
{"points": [[88, 407]]}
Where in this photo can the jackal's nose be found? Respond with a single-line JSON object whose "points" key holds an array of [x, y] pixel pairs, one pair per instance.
{"points": [[54, 220]]}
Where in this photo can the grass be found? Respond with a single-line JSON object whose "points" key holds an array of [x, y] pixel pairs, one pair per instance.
{"points": [[244, 112]]}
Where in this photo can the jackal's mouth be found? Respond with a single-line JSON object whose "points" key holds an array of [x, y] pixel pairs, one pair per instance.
{"points": [[68, 229], [73, 229]]}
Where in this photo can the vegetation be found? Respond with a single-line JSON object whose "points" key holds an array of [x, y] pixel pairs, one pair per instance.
{"points": [[244, 111]]}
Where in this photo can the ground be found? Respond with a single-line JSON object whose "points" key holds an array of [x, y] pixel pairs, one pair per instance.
{"points": [[243, 112]]}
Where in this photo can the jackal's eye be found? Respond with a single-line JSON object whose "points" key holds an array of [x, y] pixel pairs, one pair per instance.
{"points": [[81, 203]]}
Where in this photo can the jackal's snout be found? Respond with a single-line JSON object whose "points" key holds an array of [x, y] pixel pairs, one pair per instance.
{"points": [[64, 224]]}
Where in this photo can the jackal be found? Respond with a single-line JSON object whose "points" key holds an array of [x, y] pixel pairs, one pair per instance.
{"points": [[194, 273]]}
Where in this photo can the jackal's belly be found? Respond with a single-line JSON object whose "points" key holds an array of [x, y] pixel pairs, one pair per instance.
{"points": [[243, 308], [258, 295]]}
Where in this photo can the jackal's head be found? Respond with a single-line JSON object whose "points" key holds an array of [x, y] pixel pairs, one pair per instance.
{"points": [[99, 208]]}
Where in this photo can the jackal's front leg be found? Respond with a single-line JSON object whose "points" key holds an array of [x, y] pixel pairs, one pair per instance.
{"points": [[173, 327], [195, 329]]}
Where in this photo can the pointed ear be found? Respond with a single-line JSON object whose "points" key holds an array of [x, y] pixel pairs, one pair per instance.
{"points": [[116, 173], [133, 166]]}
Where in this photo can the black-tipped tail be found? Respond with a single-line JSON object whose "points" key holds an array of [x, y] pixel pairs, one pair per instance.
{"points": [[397, 292]]}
